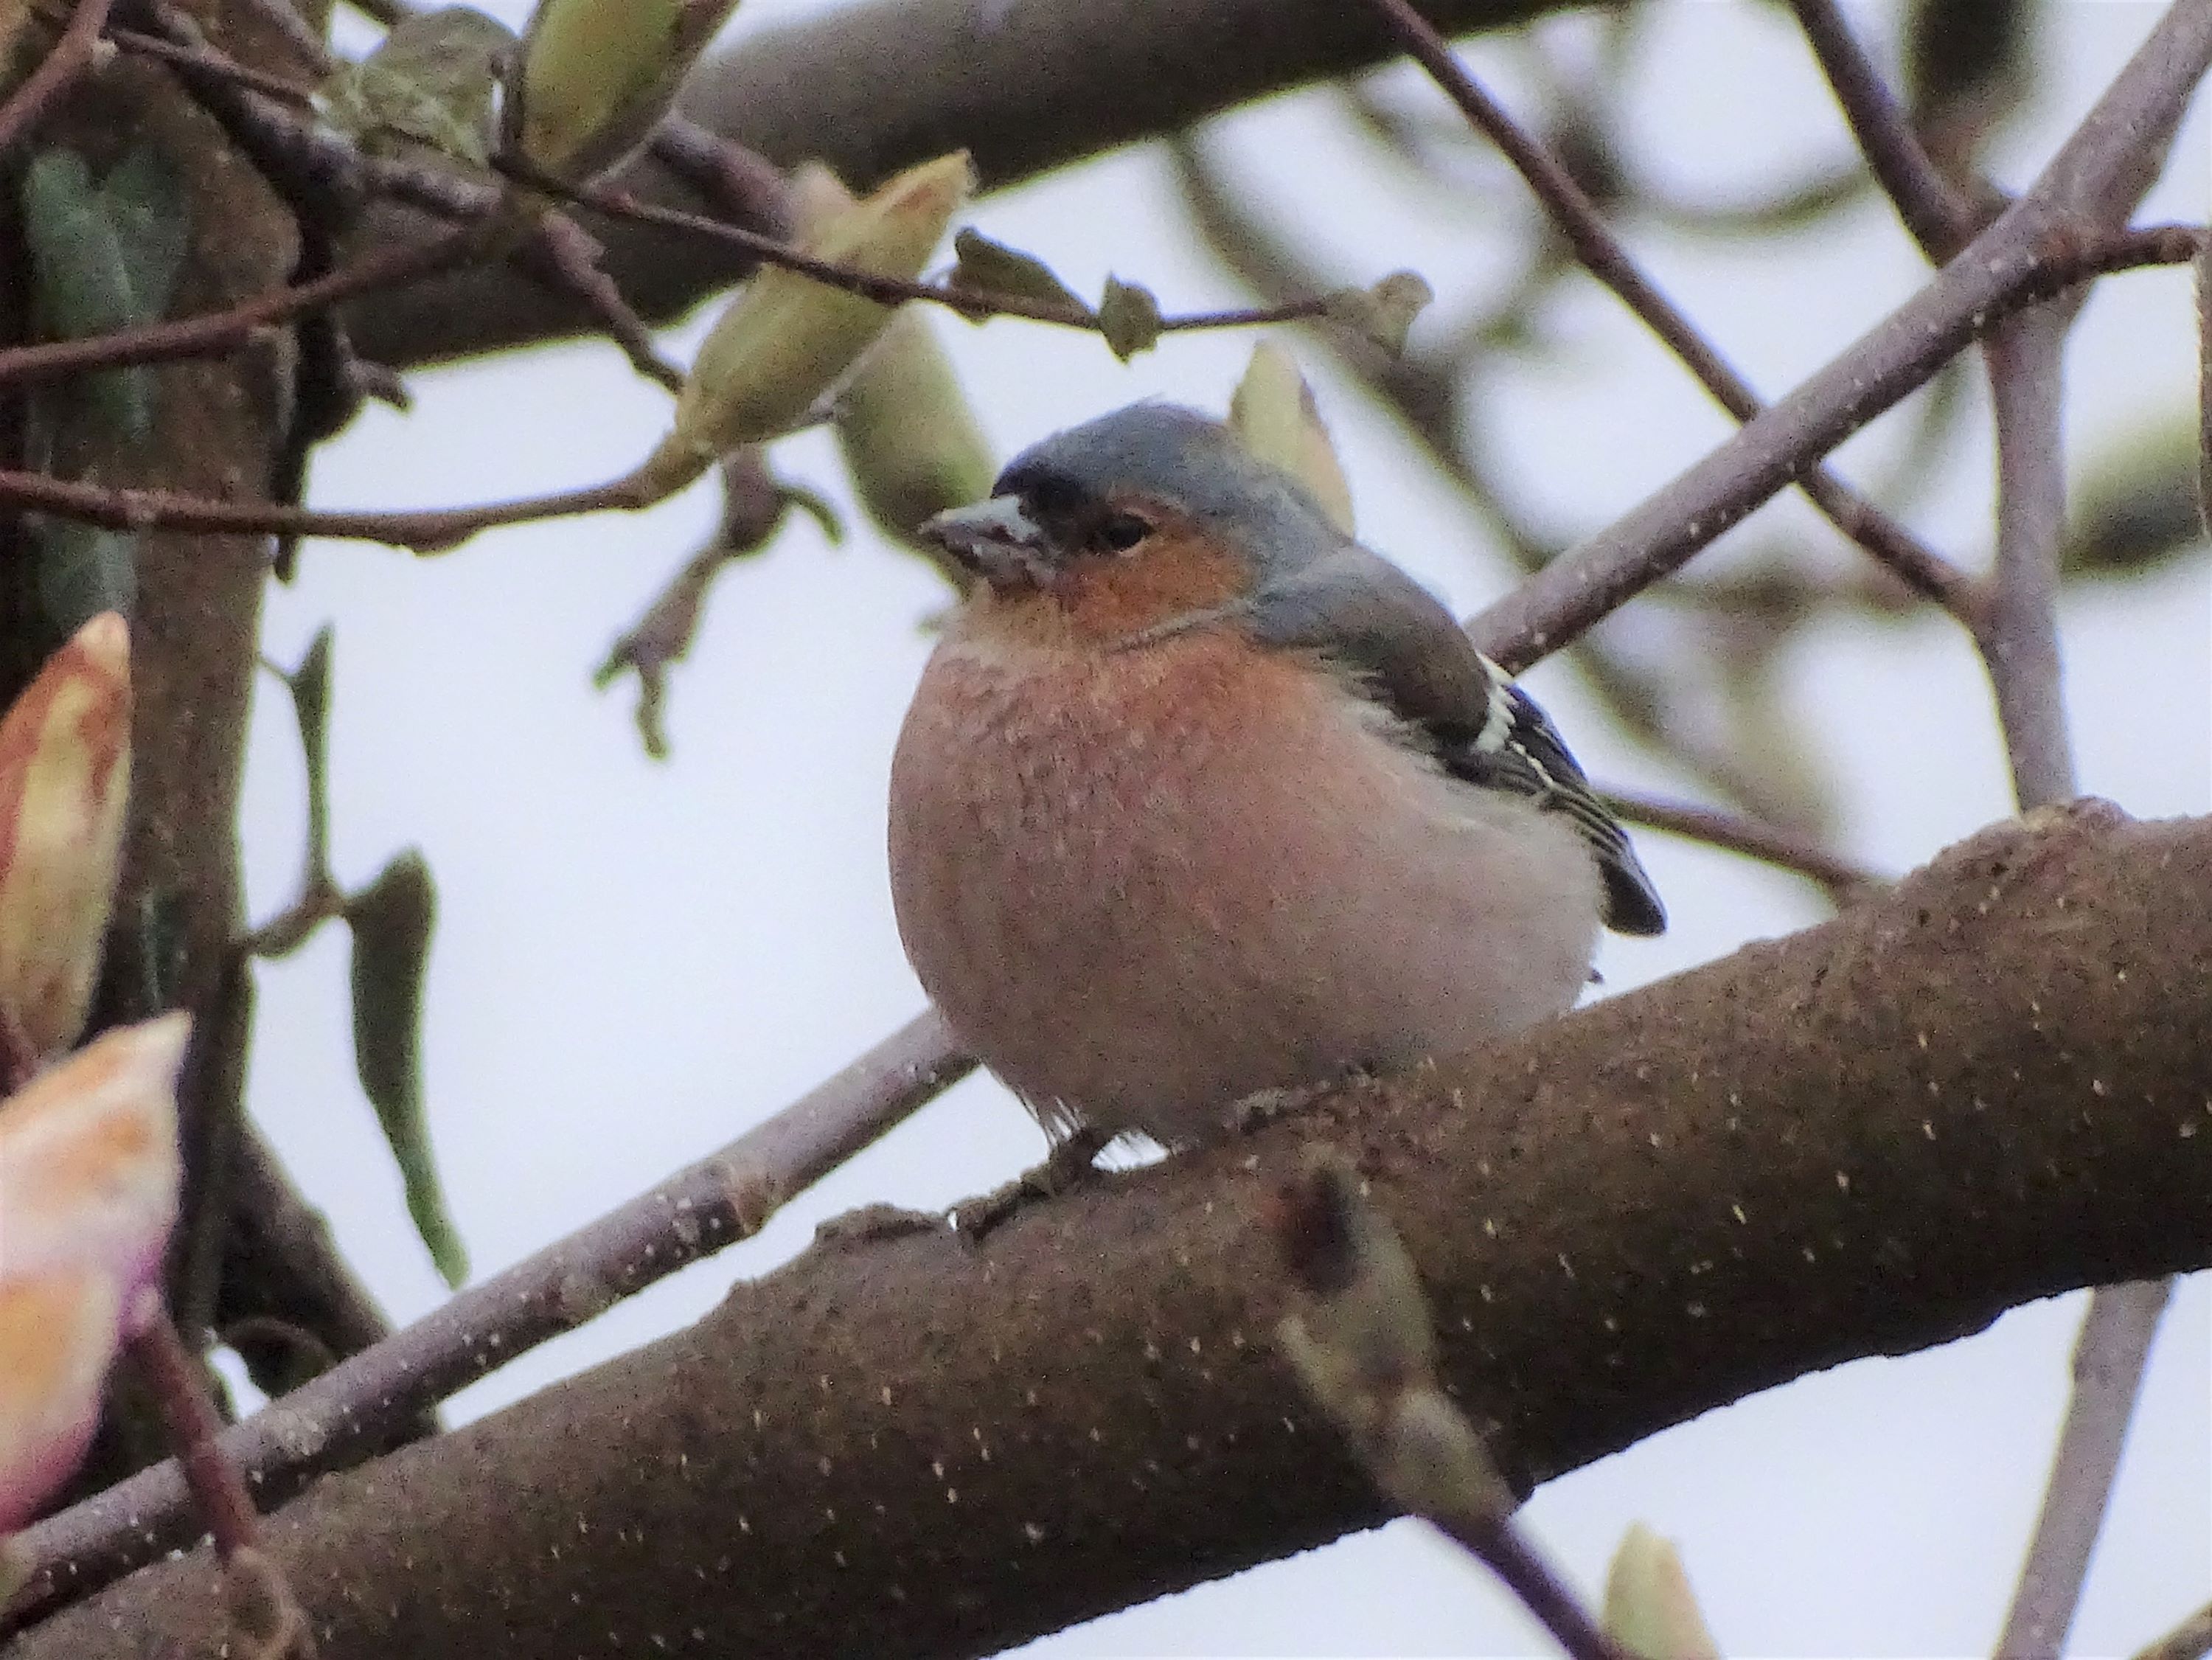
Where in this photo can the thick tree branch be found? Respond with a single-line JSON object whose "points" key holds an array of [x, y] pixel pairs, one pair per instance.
{"points": [[374, 1401], [1981, 1087], [871, 88]]}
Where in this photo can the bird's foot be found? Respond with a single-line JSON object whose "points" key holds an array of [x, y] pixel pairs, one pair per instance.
{"points": [[1067, 1167]]}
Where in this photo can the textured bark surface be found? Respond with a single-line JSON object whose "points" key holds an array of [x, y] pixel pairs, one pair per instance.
{"points": [[1989, 1085], [871, 88], [215, 430]]}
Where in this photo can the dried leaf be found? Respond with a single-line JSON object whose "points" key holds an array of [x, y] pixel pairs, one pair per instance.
{"points": [[1383, 314], [986, 268], [433, 80], [1129, 318], [392, 919]]}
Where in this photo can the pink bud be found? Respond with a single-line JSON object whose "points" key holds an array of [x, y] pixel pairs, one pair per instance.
{"points": [[88, 1177], [57, 1334], [64, 783]]}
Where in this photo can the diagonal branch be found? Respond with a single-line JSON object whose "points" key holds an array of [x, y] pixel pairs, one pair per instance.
{"points": [[903, 1444], [1926, 572], [366, 1404], [1941, 216]]}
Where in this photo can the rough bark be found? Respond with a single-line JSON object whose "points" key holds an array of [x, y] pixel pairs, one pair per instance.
{"points": [[871, 88], [216, 428], [1989, 1085]]}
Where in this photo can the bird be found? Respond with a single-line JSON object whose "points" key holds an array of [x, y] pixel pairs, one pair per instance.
{"points": [[1199, 800]]}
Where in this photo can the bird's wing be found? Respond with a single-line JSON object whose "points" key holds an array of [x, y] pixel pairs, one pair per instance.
{"points": [[1400, 646]]}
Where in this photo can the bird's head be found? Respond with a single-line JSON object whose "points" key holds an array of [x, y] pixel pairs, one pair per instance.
{"points": [[1131, 524]]}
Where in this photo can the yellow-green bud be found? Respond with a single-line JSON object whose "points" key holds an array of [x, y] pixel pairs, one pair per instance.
{"points": [[596, 75], [787, 341], [1273, 416]]}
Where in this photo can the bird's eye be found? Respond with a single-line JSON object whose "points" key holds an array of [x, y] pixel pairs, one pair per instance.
{"points": [[1122, 532]]}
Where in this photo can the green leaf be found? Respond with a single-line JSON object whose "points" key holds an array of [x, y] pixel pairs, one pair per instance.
{"points": [[1129, 318], [1384, 315], [105, 256], [988, 268], [433, 80], [310, 685], [392, 920]]}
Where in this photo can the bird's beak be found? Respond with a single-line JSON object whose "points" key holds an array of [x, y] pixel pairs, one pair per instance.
{"points": [[994, 540]]}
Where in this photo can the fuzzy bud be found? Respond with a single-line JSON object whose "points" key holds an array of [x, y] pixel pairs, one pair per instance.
{"points": [[64, 783], [787, 341]]}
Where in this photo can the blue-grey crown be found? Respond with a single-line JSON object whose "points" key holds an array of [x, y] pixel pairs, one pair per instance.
{"points": [[1191, 462]]}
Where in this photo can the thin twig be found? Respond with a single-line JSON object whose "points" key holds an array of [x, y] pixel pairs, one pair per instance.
{"points": [[1770, 844], [2019, 637], [330, 1422], [1941, 217], [431, 530], [264, 1612], [2018, 261], [46, 86], [2090, 187], [1920, 566], [172, 1376], [216, 332], [2110, 1358], [207, 62], [2190, 1640], [575, 257], [970, 303]]}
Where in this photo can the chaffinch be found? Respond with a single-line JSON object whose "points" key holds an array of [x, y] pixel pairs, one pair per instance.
{"points": [[1197, 797]]}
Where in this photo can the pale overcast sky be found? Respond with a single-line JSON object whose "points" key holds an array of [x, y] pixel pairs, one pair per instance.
{"points": [[636, 961]]}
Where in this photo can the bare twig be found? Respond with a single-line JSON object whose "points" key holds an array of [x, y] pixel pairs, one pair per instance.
{"points": [[262, 1607], [2203, 273], [66, 60], [889, 291], [219, 332], [1770, 844], [1605, 572], [2019, 637], [174, 1377], [574, 258], [432, 530], [1941, 217], [212, 63], [350, 1409], [2110, 1358], [2022, 259], [2190, 1640], [1920, 566], [2092, 184]]}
